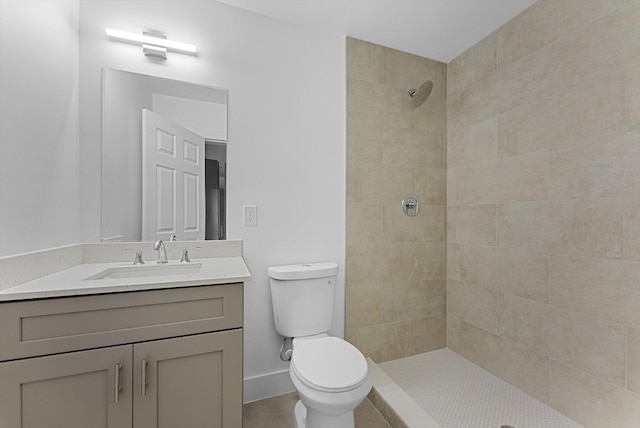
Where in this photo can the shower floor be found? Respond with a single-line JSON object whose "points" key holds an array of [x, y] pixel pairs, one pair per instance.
{"points": [[455, 393]]}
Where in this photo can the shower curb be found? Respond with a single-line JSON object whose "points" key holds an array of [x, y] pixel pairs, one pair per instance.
{"points": [[395, 405]]}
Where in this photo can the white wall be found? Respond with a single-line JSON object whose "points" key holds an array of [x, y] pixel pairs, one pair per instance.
{"points": [[39, 181], [286, 144]]}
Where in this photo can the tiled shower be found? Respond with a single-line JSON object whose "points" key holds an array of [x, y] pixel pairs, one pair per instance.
{"points": [[537, 130]]}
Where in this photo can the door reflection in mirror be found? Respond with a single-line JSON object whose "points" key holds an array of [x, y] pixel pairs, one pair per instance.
{"points": [[186, 204]]}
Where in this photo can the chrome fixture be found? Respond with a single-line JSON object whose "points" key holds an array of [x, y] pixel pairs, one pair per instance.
{"points": [[421, 94], [153, 44], [138, 260], [162, 253], [411, 206], [185, 256]]}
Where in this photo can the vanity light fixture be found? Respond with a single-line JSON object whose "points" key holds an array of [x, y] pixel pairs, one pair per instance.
{"points": [[153, 44]]}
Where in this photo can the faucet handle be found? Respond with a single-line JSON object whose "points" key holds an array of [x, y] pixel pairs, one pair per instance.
{"points": [[185, 255], [138, 260]]}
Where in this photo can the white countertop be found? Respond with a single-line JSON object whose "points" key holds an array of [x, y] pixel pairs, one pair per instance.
{"points": [[74, 282]]}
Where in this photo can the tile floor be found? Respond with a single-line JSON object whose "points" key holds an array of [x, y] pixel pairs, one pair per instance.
{"points": [[277, 412]]}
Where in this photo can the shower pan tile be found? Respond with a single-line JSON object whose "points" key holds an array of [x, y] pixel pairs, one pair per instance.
{"points": [[457, 393]]}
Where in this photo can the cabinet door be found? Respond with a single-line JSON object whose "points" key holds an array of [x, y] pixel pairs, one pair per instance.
{"points": [[193, 381], [75, 390]]}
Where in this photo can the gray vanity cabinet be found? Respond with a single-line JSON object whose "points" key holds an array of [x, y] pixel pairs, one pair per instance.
{"points": [[165, 358], [66, 391], [192, 381]]}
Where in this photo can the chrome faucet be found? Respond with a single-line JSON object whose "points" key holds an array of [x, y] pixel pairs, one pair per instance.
{"points": [[162, 253]]}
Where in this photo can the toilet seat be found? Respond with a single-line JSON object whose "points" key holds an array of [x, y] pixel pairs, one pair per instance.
{"points": [[329, 364]]}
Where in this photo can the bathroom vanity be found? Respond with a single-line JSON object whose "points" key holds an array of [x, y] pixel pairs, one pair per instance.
{"points": [[132, 352]]}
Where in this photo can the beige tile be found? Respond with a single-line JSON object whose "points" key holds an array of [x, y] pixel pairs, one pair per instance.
{"points": [[275, 412], [365, 102], [384, 342], [454, 251], [587, 227], [431, 116], [591, 344], [364, 142], [545, 21], [394, 420], [366, 416], [603, 47], [397, 107], [469, 144], [364, 224], [364, 265], [516, 178], [397, 263], [474, 184], [427, 226], [364, 61], [473, 64], [473, 304], [414, 299], [377, 184], [605, 168], [633, 360], [472, 224], [528, 128], [377, 401], [594, 345], [632, 227], [591, 401], [523, 225], [521, 367], [517, 84], [601, 288], [453, 117], [553, 122], [406, 147], [453, 332], [522, 273], [430, 186], [522, 178], [633, 98], [430, 333], [430, 260], [403, 70], [524, 321], [364, 306], [478, 265]]}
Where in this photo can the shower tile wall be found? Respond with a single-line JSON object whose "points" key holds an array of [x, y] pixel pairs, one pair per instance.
{"points": [[396, 265], [543, 215]]}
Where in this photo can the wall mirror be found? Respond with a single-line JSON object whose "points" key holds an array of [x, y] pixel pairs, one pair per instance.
{"points": [[163, 159]]}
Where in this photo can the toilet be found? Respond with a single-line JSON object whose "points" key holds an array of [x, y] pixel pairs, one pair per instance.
{"points": [[330, 375]]}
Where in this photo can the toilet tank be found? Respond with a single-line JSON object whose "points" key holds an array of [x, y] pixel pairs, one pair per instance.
{"points": [[303, 298]]}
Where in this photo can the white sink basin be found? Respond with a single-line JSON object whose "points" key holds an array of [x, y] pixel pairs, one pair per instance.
{"points": [[147, 271]]}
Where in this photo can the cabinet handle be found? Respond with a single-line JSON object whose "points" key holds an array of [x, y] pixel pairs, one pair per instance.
{"points": [[143, 380], [117, 388]]}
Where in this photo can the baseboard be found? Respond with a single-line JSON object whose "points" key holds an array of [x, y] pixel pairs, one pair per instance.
{"points": [[266, 386]]}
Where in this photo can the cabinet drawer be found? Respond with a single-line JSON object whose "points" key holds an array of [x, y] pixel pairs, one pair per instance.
{"points": [[42, 327]]}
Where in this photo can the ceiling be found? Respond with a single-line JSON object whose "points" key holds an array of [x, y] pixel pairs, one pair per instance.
{"points": [[436, 29]]}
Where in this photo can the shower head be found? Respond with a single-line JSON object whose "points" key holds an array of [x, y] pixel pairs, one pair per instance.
{"points": [[421, 94]]}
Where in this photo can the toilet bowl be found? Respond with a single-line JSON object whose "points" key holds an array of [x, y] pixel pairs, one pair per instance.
{"points": [[331, 375], [332, 379]]}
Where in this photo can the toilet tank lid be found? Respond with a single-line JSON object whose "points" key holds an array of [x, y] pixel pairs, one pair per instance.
{"points": [[303, 271]]}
